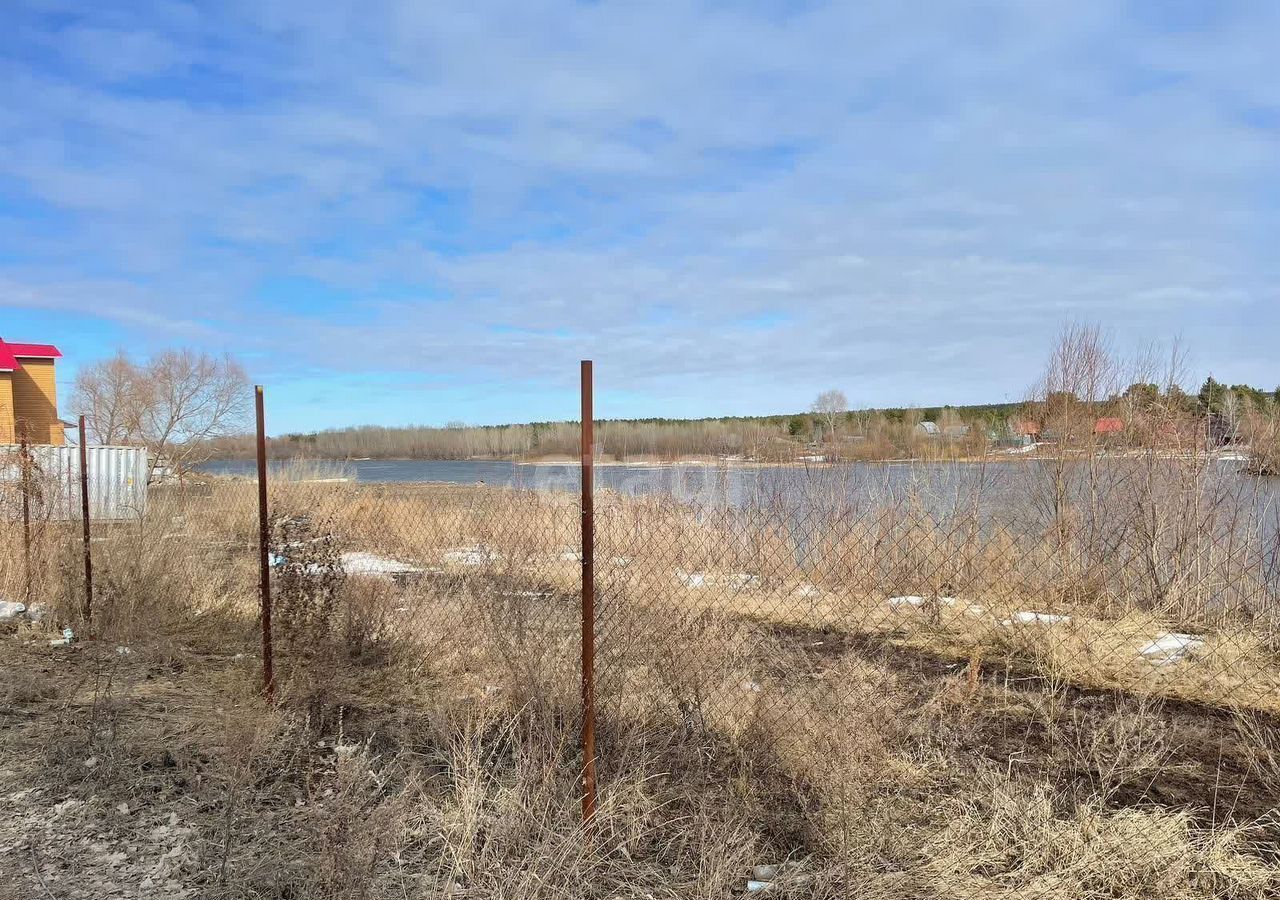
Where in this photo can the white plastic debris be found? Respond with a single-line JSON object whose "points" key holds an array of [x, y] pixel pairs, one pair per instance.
{"points": [[68, 637], [358, 562], [124, 651], [570, 556], [10, 609], [1171, 647], [1036, 618], [754, 886]]}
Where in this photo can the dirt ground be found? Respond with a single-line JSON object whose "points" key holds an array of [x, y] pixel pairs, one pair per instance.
{"points": [[158, 772], [102, 768]]}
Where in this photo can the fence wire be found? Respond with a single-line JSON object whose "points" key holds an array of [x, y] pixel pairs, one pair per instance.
{"points": [[1093, 643]]}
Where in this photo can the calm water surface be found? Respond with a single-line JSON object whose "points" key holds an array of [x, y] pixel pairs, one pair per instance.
{"points": [[937, 486]]}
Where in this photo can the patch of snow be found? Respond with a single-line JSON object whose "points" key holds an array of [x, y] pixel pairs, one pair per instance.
{"points": [[1170, 647], [899, 602], [744, 579], [692, 579], [807, 591], [470, 556], [357, 562], [1036, 618], [570, 556], [1026, 449]]}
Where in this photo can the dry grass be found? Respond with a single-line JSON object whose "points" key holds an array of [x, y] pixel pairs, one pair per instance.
{"points": [[761, 704]]}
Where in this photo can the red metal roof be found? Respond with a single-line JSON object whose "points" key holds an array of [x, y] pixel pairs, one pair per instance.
{"points": [[11, 353], [1108, 426]]}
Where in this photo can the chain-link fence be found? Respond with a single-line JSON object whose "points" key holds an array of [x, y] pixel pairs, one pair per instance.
{"points": [[1048, 672]]}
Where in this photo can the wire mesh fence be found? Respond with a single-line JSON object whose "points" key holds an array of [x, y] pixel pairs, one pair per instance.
{"points": [[1050, 673]]}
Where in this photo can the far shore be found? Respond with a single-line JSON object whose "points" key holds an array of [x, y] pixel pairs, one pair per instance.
{"points": [[816, 459]]}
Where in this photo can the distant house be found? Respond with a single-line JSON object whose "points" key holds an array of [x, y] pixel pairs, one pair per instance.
{"points": [[1028, 428], [928, 429], [28, 394], [955, 432], [1108, 425]]}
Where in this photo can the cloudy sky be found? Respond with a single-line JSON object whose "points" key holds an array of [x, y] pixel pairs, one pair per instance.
{"points": [[415, 212]]}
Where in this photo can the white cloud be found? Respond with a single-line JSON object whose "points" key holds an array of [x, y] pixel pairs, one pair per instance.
{"points": [[926, 197]]}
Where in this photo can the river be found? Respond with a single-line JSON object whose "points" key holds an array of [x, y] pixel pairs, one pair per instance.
{"points": [[938, 486]]}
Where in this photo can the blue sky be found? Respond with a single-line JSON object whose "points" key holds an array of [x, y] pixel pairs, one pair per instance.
{"points": [[729, 206]]}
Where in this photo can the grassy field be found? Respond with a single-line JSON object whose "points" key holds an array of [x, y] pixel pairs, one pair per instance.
{"points": [[881, 703]]}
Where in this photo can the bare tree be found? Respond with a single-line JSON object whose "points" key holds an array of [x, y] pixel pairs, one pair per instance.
{"points": [[176, 404], [1081, 374], [829, 405], [105, 395]]}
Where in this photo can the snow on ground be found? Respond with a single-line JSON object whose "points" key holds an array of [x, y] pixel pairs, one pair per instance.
{"points": [[1170, 647], [1036, 618], [470, 556], [358, 562], [899, 602]]}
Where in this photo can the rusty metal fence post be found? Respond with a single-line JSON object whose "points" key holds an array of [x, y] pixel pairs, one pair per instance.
{"points": [[264, 559], [85, 522], [25, 462], [588, 600]]}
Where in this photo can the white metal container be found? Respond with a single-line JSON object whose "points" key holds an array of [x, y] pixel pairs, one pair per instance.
{"points": [[117, 483]]}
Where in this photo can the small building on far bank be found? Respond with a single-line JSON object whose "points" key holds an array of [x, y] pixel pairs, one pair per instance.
{"points": [[28, 394]]}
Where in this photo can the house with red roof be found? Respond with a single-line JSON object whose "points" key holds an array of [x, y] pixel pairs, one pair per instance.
{"points": [[28, 394], [1108, 425]]}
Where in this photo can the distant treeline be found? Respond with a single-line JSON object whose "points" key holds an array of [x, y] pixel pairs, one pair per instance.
{"points": [[857, 434], [759, 437]]}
